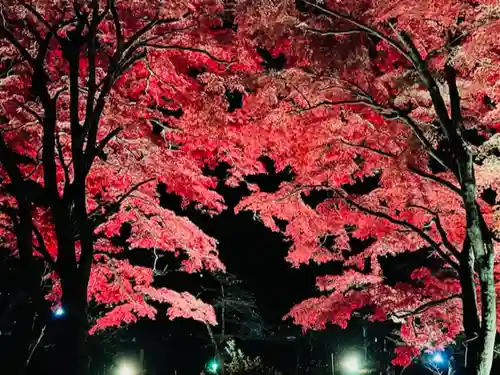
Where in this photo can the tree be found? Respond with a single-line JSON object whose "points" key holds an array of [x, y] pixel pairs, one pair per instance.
{"points": [[237, 312], [240, 363], [402, 95], [100, 101]]}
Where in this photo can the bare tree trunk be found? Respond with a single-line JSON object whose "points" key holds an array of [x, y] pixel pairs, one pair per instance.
{"points": [[216, 348]]}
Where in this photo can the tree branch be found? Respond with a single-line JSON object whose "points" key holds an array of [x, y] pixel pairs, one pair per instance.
{"points": [[441, 230], [92, 118], [437, 179], [408, 49], [102, 144], [23, 51], [329, 33], [91, 81], [457, 142], [64, 166], [413, 169], [110, 207], [116, 22], [451, 79], [390, 114], [424, 307], [403, 223], [184, 48], [38, 16], [42, 249], [364, 28], [10, 165], [364, 146]]}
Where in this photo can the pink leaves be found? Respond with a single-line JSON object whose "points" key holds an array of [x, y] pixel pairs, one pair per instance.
{"points": [[183, 305], [128, 293], [404, 355], [163, 120], [122, 314], [349, 279]]}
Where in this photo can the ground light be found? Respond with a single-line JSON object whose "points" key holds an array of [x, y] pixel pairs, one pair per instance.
{"points": [[126, 368], [351, 363], [213, 366]]}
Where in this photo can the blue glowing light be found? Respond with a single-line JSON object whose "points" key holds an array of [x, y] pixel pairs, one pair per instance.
{"points": [[59, 312], [438, 358]]}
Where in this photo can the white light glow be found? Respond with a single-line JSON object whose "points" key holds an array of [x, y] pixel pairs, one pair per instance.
{"points": [[127, 368], [351, 363]]}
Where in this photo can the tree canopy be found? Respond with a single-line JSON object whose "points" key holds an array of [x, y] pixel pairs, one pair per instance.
{"points": [[403, 94], [102, 100]]}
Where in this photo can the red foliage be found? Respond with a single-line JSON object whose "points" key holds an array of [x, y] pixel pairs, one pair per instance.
{"points": [[140, 72], [349, 116]]}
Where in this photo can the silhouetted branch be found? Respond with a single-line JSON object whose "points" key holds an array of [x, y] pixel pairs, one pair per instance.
{"points": [[42, 249], [112, 206], [402, 223], [441, 230], [424, 307]]}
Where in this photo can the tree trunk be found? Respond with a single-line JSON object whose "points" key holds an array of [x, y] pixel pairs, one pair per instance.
{"points": [[23, 337], [29, 284], [480, 333], [218, 356], [73, 332]]}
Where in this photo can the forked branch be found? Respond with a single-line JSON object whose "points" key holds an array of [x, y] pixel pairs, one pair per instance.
{"points": [[434, 245], [442, 232]]}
